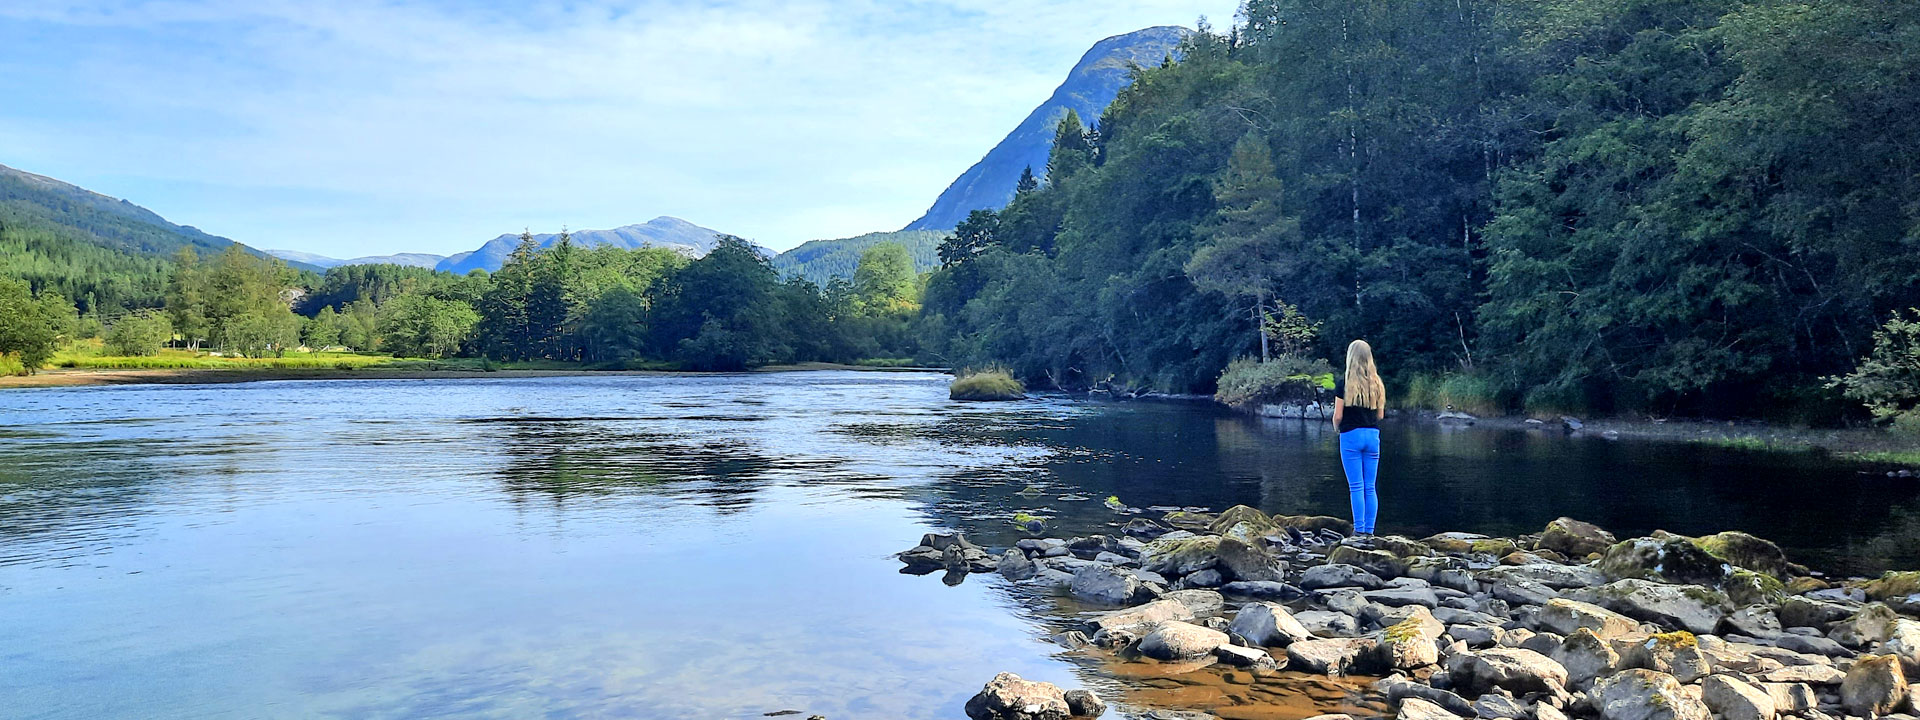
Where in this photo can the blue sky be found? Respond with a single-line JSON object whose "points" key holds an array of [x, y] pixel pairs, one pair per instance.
{"points": [[360, 127]]}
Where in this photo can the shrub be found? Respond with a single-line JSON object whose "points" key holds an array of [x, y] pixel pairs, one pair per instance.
{"points": [[1288, 378], [1465, 392], [1887, 380], [10, 365], [993, 384], [139, 334]]}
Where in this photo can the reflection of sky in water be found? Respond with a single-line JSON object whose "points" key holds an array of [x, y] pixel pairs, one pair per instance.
{"points": [[711, 546]]}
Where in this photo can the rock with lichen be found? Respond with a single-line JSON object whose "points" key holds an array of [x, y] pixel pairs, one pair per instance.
{"points": [[1641, 694], [1574, 538]]}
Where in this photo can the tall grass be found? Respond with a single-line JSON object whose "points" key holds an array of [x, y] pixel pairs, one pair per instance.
{"points": [[1464, 392], [10, 365], [988, 384]]}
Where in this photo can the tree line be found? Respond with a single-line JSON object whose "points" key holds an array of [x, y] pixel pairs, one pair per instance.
{"points": [[1694, 206]]}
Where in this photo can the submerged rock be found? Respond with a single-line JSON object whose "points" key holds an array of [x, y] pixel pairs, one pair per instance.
{"points": [[1007, 697], [1176, 640], [1268, 625]]}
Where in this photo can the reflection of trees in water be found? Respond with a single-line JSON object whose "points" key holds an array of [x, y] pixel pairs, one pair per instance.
{"points": [[75, 497], [561, 459]]}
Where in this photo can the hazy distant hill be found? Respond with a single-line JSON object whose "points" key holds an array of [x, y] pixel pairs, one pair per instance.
{"points": [[667, 232], [424, 260], [821, 260], [1089, 88]]}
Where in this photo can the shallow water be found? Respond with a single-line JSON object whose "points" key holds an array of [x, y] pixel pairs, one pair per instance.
{"points": [[713, 546]]}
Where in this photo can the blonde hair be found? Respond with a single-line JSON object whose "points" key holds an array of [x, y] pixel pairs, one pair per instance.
{"points": [[1364, 388]]}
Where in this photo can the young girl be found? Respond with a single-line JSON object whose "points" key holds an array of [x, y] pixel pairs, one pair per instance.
{"points": [[1359, 401]]}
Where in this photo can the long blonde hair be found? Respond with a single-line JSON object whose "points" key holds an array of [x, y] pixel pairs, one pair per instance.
{"points": [[1364, 388]]}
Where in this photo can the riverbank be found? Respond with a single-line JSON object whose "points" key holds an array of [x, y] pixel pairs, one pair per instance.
{"points": [[1250, 613], [200, 376], [1859, 444]]}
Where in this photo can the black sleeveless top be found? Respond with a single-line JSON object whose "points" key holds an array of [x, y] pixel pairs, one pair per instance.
{"points": [[1354, 417]]}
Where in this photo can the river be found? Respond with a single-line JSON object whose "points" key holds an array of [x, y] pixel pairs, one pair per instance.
{"points": [[699, 546]]}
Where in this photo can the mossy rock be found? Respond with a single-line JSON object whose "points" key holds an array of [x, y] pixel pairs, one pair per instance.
{"points": [[1402, 547], [1241, 514], [1379, 562], [1575, 538], [1664, 557], [1314, 523], [1676, 640], [1453, 543], [1806, 584], [1894, 585], [1753, 553], [1195, 521], [1746, 587], [1497, 547], [1176, 557]]}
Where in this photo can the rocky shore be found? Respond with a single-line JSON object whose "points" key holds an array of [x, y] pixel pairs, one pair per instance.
{"points": [[1570, 622]]}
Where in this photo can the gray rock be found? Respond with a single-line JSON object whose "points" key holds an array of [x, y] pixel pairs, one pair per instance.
{"points": [[1380, 563], [1873, 624], [1564, 616], [1339, 575], [1007, 697], [1402, 597], [1201, 602], [1735, 699], [1015, 565], [1875, 685], [1327, 623], [1105, 584], [1641, 694], [1268, 625], [1346, 600], [1523, 592], [1553, 575], [1676, 654], [1457, 616], [1417, 709], [1809, 674], [1903, 641], [1406, 646], [1384, 617], [1150, 577], [1516, 637], [1692, 607], [1802, 611], [1398, 688], [1083, 703], [1330, 656], [1478, 637], [1071, 639], [1264, 590], [1208, 578], [1586, 657], [1545, 643], [1810, 644], [1494, 706], [1239, 561], [1514, 669], [1755, 621], [942, 541], [922, 558], [1573, 538], [1115, 559], [1791, 698], [1147, 615], [1176, 640]]}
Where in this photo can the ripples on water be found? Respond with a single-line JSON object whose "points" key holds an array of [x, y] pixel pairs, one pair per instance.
{"points": [[713, 546]]}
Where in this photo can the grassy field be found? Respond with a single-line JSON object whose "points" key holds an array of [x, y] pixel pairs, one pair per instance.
{"points": [[90, 355]]}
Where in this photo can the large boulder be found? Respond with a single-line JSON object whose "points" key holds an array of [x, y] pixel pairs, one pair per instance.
{"points": [[1894, 586], [1330, 656], [1564, 616], [1015, 565], [1244, 562], [1407, 645], [1802, 611], [1267, 624], [1172, 557], [1672, 559], [1694, 608], [1755, 621], [1749, 587], [1875, 685], [1514, 669], [1201, 602], [1105, 585], [1242, 523], [1675, 653], [1150, 614], [1553, 575], [1176, 640], [1873, 624], [1586, 656], [1734, 699], [1747, 551], [1007, 697], [1904, 642], [1575, 539], [1641, 694]]}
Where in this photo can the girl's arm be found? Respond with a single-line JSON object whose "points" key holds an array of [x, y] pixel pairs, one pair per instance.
{"points": [[1339, 408]]}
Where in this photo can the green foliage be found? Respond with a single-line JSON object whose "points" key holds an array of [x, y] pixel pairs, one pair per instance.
{"points": [[416, 325], [31, 324], [822, 261], [258, 334], [140, 333], [1287, 378], [885, 282], [1887, 380], [986, 385]]}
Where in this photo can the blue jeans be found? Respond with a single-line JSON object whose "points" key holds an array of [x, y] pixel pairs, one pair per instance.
{"points": [[1360, 457]]}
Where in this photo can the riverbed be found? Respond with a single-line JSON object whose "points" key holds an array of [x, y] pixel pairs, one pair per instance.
{"points": [[702, 546]]}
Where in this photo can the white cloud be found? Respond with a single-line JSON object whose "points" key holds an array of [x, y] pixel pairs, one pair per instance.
{"points": [[352, 128]]}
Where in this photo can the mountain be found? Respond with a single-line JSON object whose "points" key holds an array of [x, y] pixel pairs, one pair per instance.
{"points": [[424, 260], [666, 232], [1089, 87], [104, 221], [822, 260]]}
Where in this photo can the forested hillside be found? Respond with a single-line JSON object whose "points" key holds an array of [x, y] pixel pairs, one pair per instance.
{"points": [[820, 261], [1672, 205]]}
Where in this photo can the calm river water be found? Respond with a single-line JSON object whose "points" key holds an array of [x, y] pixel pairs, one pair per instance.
{"points": [[698, 547]]}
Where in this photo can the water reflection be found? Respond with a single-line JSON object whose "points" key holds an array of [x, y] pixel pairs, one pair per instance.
{"points": [[714, 546]]}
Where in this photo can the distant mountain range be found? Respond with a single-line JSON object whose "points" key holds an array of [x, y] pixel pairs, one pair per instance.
{"points": [[1089, 88], [662, 232]]}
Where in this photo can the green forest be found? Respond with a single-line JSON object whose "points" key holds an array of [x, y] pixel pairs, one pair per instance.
{"points": [[1692, 207], [1673, 206]]}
